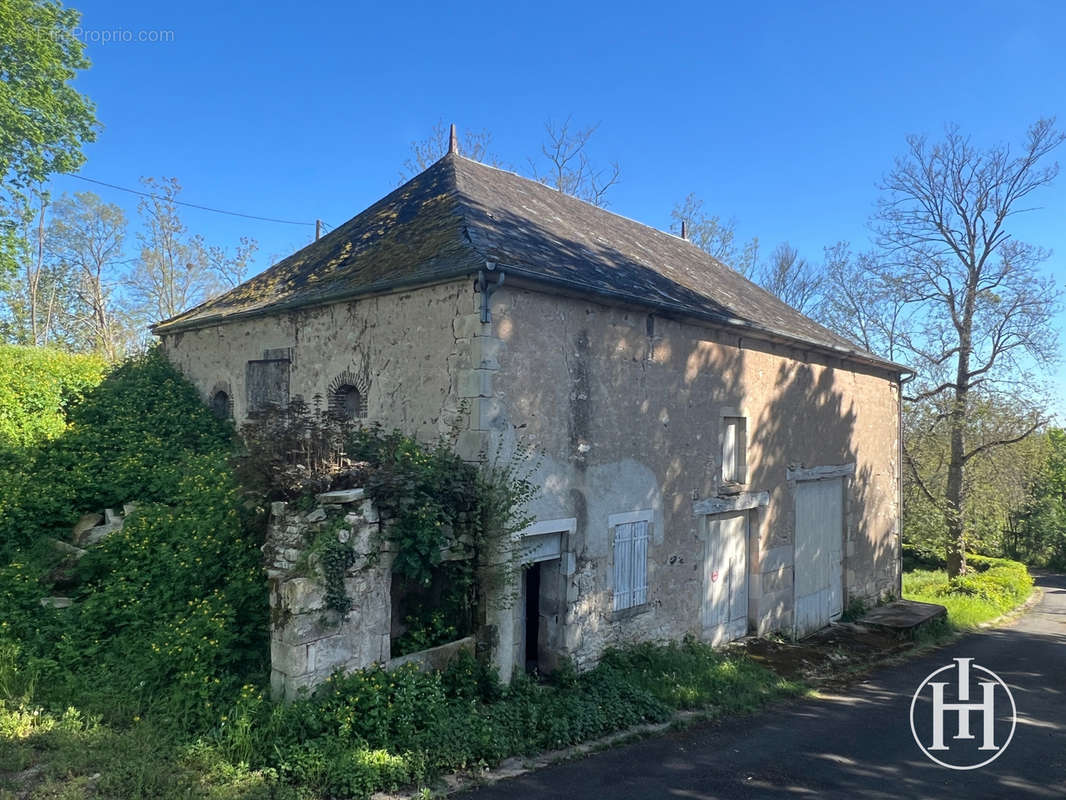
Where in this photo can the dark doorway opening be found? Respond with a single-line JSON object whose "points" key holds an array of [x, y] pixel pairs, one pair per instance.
{"points": [[532, 615]]}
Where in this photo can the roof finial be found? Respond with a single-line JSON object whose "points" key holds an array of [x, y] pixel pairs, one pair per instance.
{"points": [[453, 142], [684, 229]]}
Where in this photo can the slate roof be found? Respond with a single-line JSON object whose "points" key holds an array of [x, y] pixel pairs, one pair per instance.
{"points": [[449, 220]]}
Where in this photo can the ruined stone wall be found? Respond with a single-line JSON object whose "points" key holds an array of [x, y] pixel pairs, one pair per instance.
{"points": [[414, 357], [628, 409], [309, 640]]}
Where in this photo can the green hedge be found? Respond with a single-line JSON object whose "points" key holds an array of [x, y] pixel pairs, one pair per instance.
{"points": [[37, 386], [127, 439]]}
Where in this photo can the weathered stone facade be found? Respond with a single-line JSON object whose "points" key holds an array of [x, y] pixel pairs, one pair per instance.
{"points": [[628, 410], [415, 356]]}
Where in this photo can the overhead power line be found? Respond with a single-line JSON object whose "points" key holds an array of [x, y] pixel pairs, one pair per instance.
{"points": [[191, 205]]}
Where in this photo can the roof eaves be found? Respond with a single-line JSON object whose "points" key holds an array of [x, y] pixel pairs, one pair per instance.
{"points": [[682, 310], [426, 278]]}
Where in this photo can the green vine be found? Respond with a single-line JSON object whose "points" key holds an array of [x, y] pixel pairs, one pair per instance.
{"points": [[333, 557], [431, 502], [337, 557]]}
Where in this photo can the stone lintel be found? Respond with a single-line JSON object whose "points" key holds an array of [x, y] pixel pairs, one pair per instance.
{"points": [[820, 473], [725, 505]]}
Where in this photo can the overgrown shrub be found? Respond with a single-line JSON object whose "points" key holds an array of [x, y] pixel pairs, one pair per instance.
{"points": [[170, 612], [373, 730], [128, 439], [427, 495], [991, 587], [295, 451]]}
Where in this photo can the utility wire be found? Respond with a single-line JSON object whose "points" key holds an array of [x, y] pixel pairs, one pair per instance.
{"points": [[190, 205]]}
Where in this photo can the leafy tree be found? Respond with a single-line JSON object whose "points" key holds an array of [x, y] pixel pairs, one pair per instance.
{"points": [[44, 120], [977, 308], [1038, 534], [999, 481]]}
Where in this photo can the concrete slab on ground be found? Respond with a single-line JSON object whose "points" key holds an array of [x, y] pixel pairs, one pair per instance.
{"points": [[903, 616]]}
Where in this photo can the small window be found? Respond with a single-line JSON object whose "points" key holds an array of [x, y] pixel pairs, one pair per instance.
{"points": [[220, 406], [630, 573], [734, 449], [347, 402]]}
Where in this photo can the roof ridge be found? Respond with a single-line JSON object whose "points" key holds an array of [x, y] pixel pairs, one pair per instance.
{"points": [[577, 199], [698, 251]]}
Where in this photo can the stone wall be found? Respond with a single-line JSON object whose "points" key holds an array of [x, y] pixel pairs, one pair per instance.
{"points": [[308, 640], [413, 356]]}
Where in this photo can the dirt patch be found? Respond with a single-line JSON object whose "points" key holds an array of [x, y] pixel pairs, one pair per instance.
{"points": [[835, 654]]}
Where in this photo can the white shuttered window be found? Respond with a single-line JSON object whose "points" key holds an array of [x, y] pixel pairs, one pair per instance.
{"points": [[630, 564]]}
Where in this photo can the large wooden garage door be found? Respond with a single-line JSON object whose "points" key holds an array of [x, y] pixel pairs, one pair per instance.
{"points": [[819, 546]]}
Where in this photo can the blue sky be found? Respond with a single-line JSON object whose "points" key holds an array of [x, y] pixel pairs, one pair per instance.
{"points": [[781, 115]]}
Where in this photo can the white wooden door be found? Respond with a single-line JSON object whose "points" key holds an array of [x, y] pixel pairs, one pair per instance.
{"points": [[818, 561], [725, 577]]}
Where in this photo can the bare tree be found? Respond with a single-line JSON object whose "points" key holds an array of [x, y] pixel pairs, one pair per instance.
{"points": [[174, 271], [426, 152], [233, 267], [568, 166], [715, 235], [87, 236], [860, 301], [979, 308], [37, 293], [793, 279]]}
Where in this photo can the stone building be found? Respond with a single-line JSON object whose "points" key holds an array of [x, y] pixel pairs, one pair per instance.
{"points": [[714, 462]]}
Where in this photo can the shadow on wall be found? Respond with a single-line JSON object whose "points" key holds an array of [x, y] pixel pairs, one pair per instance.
{"points": [[639, 386], [809, 423]]}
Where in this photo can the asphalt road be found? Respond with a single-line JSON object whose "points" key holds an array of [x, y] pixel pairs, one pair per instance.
{"points": [[856, 744]]}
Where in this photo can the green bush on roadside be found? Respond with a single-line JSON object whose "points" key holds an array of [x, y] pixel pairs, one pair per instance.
{"points": [[992, 587], [376, 730]]}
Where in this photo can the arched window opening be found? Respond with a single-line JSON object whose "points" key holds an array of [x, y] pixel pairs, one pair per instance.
{"points": [[347, 402], [220, 404]]}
